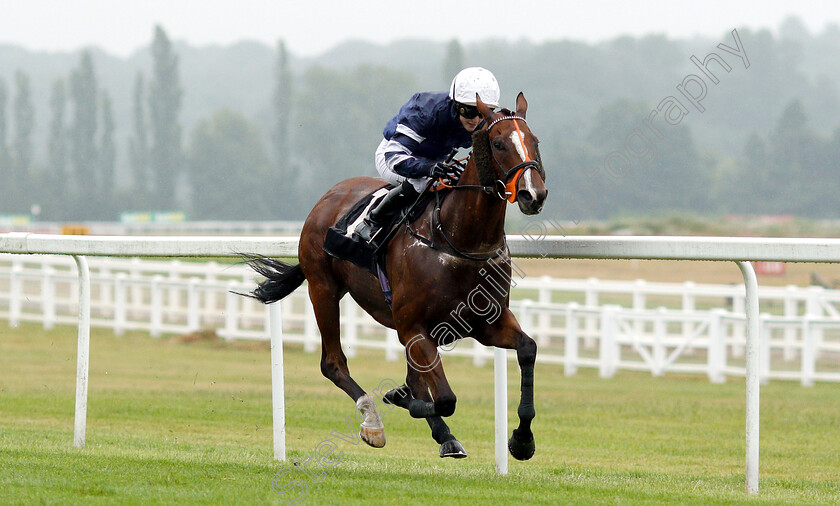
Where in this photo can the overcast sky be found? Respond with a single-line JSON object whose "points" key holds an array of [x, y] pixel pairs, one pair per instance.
{"points": [[310, 27]]}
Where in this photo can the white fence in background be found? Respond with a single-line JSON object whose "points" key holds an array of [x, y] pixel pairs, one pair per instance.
{"points": [[607, 325], [182, 228], [741, 250]]}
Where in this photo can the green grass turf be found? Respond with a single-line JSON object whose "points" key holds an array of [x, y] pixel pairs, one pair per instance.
{"points": [[178, 423]]}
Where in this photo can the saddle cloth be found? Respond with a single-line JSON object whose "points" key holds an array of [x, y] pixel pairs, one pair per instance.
{"points": [[341, 241]]}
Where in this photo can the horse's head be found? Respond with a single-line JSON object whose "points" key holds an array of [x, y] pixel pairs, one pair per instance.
{"points": [[515, 155]]}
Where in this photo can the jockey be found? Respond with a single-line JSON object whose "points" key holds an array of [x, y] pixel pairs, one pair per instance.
{"points": [[419, 138]]}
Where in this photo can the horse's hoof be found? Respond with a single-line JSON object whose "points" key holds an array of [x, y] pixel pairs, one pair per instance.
{"points": [[522, 449], [373, 431], [375, 437], [452, 448]]}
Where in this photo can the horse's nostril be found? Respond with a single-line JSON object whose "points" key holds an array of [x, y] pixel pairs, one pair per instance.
{"points": [[527, 197]]}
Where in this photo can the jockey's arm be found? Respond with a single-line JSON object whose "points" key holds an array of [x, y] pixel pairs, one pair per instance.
{"points": [[414, 167], [400, 158]]}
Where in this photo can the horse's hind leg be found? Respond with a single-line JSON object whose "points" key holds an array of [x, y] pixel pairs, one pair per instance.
{"points": [[325, 298]]}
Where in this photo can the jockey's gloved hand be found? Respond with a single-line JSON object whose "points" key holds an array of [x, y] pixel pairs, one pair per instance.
{"points": [[438, 170], [455, 171], [443, 171]]}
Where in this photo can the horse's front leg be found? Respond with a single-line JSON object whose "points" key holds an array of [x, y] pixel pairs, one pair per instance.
{"points": [[507, 334], [521, 443], [424, 364], [416, 389]]}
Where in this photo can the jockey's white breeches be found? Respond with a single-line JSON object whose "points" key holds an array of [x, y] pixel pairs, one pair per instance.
{"points": [[392, 177]]}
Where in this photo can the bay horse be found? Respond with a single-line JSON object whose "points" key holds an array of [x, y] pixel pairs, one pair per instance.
{"points": [[450, 276]]}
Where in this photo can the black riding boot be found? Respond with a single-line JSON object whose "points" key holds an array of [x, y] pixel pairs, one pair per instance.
{"points": [[396, 199]]}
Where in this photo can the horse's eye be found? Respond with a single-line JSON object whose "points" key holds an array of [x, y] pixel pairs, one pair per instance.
{"points": [[498, 145]]}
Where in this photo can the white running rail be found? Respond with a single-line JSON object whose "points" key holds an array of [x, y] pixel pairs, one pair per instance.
{"points": [[688, 332], [739, 250]]}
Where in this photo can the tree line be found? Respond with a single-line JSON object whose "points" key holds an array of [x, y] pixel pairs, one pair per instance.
{"points": [[768, 142], [77, 179]]}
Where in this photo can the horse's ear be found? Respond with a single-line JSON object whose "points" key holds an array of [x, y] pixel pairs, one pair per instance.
{"points": [[521, 105], [485, 111]]}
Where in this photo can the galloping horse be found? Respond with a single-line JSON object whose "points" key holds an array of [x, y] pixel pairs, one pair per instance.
{"points": [[450, 277]]}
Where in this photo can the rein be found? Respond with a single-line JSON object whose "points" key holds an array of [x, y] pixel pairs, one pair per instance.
{"points": [[435, 224]]}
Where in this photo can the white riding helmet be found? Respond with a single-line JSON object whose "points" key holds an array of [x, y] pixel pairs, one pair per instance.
{"points": [[474, 80]]}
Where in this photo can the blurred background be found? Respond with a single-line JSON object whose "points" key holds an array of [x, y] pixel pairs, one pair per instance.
{"points": [[197, 111]]}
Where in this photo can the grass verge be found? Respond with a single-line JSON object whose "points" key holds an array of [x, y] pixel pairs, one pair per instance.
{"points": [[189, 421]]}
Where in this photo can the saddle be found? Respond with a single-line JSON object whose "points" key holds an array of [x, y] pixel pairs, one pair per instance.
{"points": [[341, 241]]}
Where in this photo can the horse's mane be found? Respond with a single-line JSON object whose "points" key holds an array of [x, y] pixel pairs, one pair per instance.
{"points": [[483, 158]]}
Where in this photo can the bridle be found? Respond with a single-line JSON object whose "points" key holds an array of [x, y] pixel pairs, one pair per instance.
{"points": [[504, 187], [509, 183]]}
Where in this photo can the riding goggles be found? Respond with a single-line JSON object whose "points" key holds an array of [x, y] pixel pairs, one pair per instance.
{"points": [[468, 111]]}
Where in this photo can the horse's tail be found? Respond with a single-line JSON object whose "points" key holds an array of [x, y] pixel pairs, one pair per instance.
{"points": [[281, 279]]}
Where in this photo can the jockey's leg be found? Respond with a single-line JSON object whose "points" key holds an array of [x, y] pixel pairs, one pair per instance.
{"points": [[395, 200]]}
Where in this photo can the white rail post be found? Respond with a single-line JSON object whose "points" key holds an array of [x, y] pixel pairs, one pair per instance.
{"points": [[688, 306], [591, 300], [48, 297], [716, 351], [15, 294], [658, 345], [639, 304], [608, 347], [791, 310], [351, 327], [173, 277], [571, 358], [809, 356], [278, 399], [816, 294], [135, 272], [82, 353], [120, 306], [500, 374], [231, 311], [193, 308], [210, 303], [157, 305], [753, 385]]}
